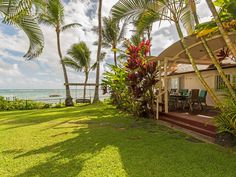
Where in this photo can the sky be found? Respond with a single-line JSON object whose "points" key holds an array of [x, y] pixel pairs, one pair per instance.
{"points": [[45, 72]]}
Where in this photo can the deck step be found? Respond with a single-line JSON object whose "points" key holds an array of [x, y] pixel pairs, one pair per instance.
{"points": [[195, 123], [192, 127]]}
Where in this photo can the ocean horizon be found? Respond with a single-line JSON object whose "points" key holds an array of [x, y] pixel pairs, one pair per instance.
{"points": [[40, 94]]}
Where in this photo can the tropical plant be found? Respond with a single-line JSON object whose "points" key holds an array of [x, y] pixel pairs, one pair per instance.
{"points": [[226, 121], [96, 92], [231, 6], [112, 34], [171, 10], [115, 82], [53, 16], [141, 78], [79, 59], [19, 13]]}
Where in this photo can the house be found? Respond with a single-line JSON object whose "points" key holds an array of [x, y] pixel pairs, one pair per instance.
{"points": [[176, 72], [188, 80]]}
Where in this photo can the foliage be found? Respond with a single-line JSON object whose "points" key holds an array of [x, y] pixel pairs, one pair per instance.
{"points": [[78, 57], [226, 121], [19, 14], [141, 78], [227, 16], [115, 82], [18, 104], [132, 86]]}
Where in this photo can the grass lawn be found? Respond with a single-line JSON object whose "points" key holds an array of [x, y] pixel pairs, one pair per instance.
{"points": [[98, 140]]}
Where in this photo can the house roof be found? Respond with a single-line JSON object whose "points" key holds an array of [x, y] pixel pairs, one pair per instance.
{"points": [[228, 66], [176, 54]]}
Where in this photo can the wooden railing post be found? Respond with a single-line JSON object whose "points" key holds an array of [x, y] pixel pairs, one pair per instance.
{"points": [[166, 85]]}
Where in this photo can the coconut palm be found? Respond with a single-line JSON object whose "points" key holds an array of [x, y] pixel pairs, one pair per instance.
{"points": [[53, 16], [79, 59], [112, 34], [192, 6], [96, 92], [221, 28], [18, 13], [170, 10]]}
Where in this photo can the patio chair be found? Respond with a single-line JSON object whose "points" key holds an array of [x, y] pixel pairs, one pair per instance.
{"points": [[172, 91], [183, 96], [202, 98], [172, 102], [193, 98]]}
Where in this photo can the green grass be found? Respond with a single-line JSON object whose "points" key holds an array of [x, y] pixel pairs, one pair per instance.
{"points": [[98, 140]]}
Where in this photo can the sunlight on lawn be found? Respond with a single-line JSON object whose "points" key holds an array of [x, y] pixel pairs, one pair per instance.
{"points": [[98, 140]]}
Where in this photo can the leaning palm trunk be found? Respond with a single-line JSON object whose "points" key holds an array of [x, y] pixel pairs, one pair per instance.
{"points": [[85, 84], [68, 100], [191, 59], [221, 28], [211, 54], [115, 55], [96, 93]]}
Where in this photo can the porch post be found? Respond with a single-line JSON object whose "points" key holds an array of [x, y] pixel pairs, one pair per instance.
{"points": [[159, 100], [166, 84]]}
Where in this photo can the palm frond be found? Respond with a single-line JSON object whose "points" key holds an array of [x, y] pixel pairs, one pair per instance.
{"points": [[69, 62], [146, 20], [80, 53], [187, 19], [27, 23], [128, 9], [69, 26]]}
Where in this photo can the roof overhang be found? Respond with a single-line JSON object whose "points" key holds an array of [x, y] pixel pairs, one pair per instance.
{"points": [[176, 53]]}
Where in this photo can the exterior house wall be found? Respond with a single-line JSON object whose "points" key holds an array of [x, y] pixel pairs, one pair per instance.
{"points": [[190, 81]]}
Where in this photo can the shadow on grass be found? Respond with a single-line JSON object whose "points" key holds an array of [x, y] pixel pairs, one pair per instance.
{"points": [[145, 148], [34, 117]]}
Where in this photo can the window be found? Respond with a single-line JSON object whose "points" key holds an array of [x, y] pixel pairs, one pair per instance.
{"points": [[174, 83], [219, 83]]}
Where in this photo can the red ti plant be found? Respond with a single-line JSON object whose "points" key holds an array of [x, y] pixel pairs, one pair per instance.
{"points": [[141, 77]]}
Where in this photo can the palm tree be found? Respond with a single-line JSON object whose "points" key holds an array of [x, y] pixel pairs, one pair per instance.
{"points": [[53, 15], [19, 14], [96, 92], [221, 28], [79, 59], [112, 34], [170, 10], [192, 6]]}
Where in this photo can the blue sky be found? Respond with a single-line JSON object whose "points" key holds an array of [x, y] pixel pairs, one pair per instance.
{"points": [[45, 71]]}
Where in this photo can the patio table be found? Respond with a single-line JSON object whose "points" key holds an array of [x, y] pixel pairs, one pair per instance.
{"points": [[179, 97]]}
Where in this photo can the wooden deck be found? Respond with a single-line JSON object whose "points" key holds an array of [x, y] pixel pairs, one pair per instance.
{"points": [[200, 122]]}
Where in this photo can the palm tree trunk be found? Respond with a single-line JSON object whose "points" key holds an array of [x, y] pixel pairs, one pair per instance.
{"points": [[68, 100], [115, 57], [191, 59], [211, 54], [96, 92], [85, 84], [221, 28]]}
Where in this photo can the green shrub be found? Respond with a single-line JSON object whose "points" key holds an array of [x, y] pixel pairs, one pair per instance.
{"points": [[226, 121], [18, 104]]}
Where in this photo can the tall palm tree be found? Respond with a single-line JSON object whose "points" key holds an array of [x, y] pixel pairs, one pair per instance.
{"points": [[112, 34], [192, 6], [79, 59], [223, 32], [18, 13], [171, 10], [96, 92], [53, 15]]}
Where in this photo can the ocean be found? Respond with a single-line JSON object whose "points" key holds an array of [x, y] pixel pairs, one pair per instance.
{"points": [[44, 94]]}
